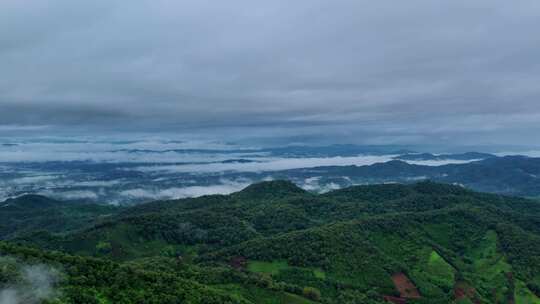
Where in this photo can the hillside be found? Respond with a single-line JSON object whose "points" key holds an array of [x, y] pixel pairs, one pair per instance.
{"points": [[276, 243], [29, 213]]}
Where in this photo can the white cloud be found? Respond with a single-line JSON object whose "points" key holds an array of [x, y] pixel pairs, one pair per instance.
{"points": [[35, 283], [33, 179], [278, 164], [138, 193], [71, 195], [435, 163], [98, 183], [313, 184], [15, 128], [226, 187], [270, 164]]}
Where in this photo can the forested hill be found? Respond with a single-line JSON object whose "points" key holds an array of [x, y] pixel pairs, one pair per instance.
{"points": [[29, 213], [276, 243]]}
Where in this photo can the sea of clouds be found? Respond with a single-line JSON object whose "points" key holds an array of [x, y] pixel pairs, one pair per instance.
{"points": [[148, 169]]}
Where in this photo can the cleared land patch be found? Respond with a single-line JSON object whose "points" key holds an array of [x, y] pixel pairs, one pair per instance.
{"points": [[463, 293], [405, 287]]}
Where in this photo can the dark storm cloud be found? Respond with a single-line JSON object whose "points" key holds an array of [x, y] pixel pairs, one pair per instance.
{"points": [[379, 71]]}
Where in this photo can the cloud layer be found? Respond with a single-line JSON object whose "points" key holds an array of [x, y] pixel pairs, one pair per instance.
{"points": [[417, 71], [127, 171]]}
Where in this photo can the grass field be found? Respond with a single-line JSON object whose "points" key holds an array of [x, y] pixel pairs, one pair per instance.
{"points": [[438, 267], [267, 267]]}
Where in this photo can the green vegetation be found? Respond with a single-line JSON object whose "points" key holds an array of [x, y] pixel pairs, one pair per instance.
{"points": [[319, 273], [267, 267], [438, 268], [263, 296], [524, 296], [30, 213], [275, 243], [277, 267]]}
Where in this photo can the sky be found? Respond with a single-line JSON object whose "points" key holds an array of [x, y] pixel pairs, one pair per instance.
{"points": [[340, 71]]}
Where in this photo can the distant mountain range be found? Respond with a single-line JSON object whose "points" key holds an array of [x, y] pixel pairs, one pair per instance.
{"points": [[510, 175], [294, 151], [429, 156], [132, 176]]}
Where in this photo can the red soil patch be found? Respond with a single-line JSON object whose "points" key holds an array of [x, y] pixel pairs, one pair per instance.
{"points": [[238, 263], [462, 291], [405, 287]]}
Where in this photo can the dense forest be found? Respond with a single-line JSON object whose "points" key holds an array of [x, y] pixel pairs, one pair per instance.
{"points": [[276, 243]]}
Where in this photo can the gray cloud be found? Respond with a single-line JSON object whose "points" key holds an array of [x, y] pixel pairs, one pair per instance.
{"points": [[410, 72]]}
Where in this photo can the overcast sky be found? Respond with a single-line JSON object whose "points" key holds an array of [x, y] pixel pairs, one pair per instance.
{"points": [[463, 71]]}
